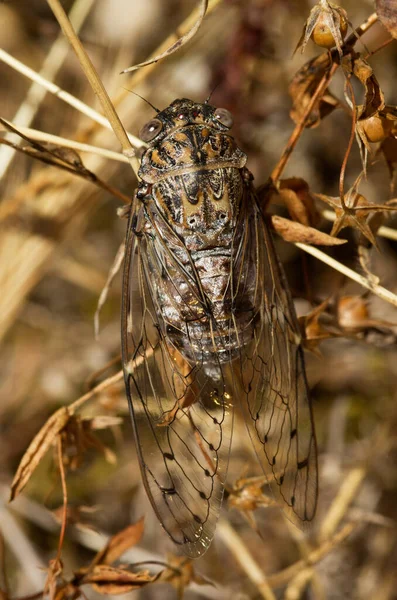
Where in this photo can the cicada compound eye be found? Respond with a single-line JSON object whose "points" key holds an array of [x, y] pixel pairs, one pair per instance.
{"points": [[224, 117], [150, 130]]}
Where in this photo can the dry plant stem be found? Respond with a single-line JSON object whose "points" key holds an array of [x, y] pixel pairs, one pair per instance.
{"points": [[348, 149], [283, 577], [95, 83], [380, 291], [61, 94], [386, 232], [87, 175], [65, 498], [42, 136], [179, 42], [244, 557], [36, 93], [297, 132], [94, 392], [139, 76], [346, 494]]}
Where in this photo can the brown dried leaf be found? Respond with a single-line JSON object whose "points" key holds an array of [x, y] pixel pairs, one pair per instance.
{"points": [[387, 13], [179, 43], [314, 331], [291, 231], [113, 581], [38, 448], [295, 194], [304, 85], [373, 98], [119, 543]]}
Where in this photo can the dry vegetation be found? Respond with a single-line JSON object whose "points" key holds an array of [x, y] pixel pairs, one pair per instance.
{"points": [[60, 234]]}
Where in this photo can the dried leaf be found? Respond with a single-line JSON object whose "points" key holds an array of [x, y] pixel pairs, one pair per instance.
{"points": [[120, 542], [38, 448], [314, 330], [291, 231], [373, 97], [179, 43], [295, 194], [304, 85], [387, 13], [113, 581]]}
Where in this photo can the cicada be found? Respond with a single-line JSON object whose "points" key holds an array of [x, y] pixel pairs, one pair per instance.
{"points": [[208, 324]]}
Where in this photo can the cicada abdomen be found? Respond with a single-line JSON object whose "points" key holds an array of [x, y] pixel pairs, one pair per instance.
{"points": [[214, 324]]}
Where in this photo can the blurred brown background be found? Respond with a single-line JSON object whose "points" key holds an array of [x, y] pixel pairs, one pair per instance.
{"points": [[59, 236]]}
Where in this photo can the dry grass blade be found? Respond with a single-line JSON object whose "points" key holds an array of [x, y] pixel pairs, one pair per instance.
{"points": [[379, 290], [178, 44], [37, 449], [95, 83]]}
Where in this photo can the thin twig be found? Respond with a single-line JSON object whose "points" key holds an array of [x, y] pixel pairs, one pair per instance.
{"points": [[283, 577], [61, 94], [51, 65], [95, 82], [241, 553], [334, 264], [42, 136], [297, 132], [64, 496]]}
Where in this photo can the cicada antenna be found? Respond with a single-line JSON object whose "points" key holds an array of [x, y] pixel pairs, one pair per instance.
{"points": [[212, 91], [144, 99]]}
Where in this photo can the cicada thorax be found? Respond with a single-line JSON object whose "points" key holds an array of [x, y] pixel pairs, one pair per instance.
{"points": [[197, 182]]}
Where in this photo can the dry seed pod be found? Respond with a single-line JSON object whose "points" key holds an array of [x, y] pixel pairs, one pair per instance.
{"points": [[326, 25], [323, 34]]}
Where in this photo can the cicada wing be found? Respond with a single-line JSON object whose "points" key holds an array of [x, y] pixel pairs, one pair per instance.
{"points": [[271, 375], [181, 410]]}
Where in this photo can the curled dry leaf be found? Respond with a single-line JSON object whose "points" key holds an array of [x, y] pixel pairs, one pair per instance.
{"points": [[39, 446], [179, 43], [373, 96], [326, 25], [387, 14], [353, 315], [120, 542], [295, 194], [304, 85], [112, 580], [291, 231], [314, 330]]}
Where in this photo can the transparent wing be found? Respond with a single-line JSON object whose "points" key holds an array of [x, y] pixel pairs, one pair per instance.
{"points": [[270, 373], [181, 410]]}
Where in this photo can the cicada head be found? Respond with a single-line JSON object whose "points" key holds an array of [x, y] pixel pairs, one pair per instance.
{"points": [[183, 112]]}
